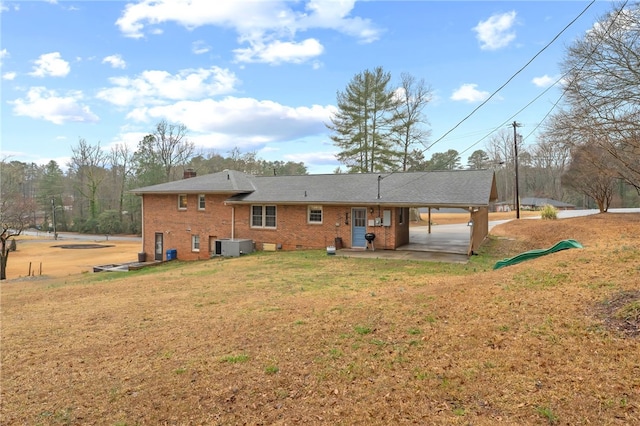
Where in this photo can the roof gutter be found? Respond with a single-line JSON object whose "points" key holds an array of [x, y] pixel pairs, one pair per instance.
{"points": [[358, 203]]}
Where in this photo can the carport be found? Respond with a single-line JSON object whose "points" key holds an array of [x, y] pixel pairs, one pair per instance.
{"points": [[464, 238], [464, 191]]}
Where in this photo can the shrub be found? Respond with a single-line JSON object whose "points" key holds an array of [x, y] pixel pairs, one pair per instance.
{"points": [[109, 222], [549, 212]]}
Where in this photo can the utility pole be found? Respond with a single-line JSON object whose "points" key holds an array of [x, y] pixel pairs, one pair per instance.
{"points": [[515, 150]]}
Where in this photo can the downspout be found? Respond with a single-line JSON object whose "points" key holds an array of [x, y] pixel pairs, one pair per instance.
{"points": [[471, 232], [142, 225], [233, 222]]}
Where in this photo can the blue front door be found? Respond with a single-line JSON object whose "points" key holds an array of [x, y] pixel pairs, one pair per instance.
{"points": [[358, 227]]}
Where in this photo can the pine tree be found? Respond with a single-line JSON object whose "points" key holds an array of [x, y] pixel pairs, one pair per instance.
{"points": [[363, 123]]}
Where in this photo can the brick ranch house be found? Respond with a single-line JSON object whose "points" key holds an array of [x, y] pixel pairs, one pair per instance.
{"points": [[193, 215]]}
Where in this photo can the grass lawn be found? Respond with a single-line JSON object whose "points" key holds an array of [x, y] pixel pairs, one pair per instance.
{"points": [[305, 338]]}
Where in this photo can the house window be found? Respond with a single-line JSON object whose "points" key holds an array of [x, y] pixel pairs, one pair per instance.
{"points": [[195, 243], [401, 215], [263, 216], [314, 214], [182, 201], [201, 202]]}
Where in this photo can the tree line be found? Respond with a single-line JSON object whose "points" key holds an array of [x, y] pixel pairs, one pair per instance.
{"points": [[92, 194]]}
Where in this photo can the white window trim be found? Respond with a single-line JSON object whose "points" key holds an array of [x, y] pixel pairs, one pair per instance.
{"points": [[195, 238], [315, 222], [263, 216], [185, 201], [204, 198]]}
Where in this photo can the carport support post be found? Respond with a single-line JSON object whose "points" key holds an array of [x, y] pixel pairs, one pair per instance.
{"points": [[429, 219]]}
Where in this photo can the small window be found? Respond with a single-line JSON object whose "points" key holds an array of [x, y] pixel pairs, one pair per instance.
{"points": [[263, 216], [201, 202], [182, 201], [269, 216], [195, 243], [314, 214], [256, 216], [401, 215]]}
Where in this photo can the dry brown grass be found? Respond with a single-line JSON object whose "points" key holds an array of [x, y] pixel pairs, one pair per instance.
{"points": [[305, 338]]}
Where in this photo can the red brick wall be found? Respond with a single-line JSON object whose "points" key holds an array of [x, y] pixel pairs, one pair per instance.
{"points": [[161, 214]]}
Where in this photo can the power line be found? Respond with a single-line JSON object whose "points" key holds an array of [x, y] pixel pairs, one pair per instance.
{"points": [[561, 78], [513, 76], [536, 98], [555, 104]]}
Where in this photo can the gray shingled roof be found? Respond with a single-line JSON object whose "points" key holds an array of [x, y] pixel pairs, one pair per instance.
{"points": [[226, 182], [462, 188]]}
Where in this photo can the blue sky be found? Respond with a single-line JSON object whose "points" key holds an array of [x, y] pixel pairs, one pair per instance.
{"points": [[263, 75]]}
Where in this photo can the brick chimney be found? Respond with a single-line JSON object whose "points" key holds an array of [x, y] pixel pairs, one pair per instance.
{"points": [[189, 173]]}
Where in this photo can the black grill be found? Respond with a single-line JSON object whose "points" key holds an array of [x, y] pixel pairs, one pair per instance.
{"points": [[370, 236]]}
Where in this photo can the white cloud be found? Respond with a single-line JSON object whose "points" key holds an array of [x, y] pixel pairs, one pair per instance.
{"points": [[260, 24], [3, 54], [115, 61], [157, 86], [317, 158], [544, 81], [126, 139], [496, 32], [50, 64], [9, 76], [335, 15], [279, 51], [47, 105], [5, 8], [244, 120], [199, 47], [469, 93]]}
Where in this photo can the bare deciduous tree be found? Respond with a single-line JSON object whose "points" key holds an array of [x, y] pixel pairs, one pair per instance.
{"points": [[88, 166], [171, 146], [121, 159], [603, 92], [409, 122], [501, 151], [592, 175], [549, 162], [15, 211]]}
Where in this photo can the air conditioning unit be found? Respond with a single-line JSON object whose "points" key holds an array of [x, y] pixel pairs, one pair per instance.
{"points": [[233, 248]]}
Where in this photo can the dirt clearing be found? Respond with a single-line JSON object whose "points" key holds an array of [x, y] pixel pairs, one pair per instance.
{"points": [[54, 258]]}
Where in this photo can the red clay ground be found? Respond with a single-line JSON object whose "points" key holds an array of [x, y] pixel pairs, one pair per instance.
{"points": [[47, 258], [306, 338]]}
